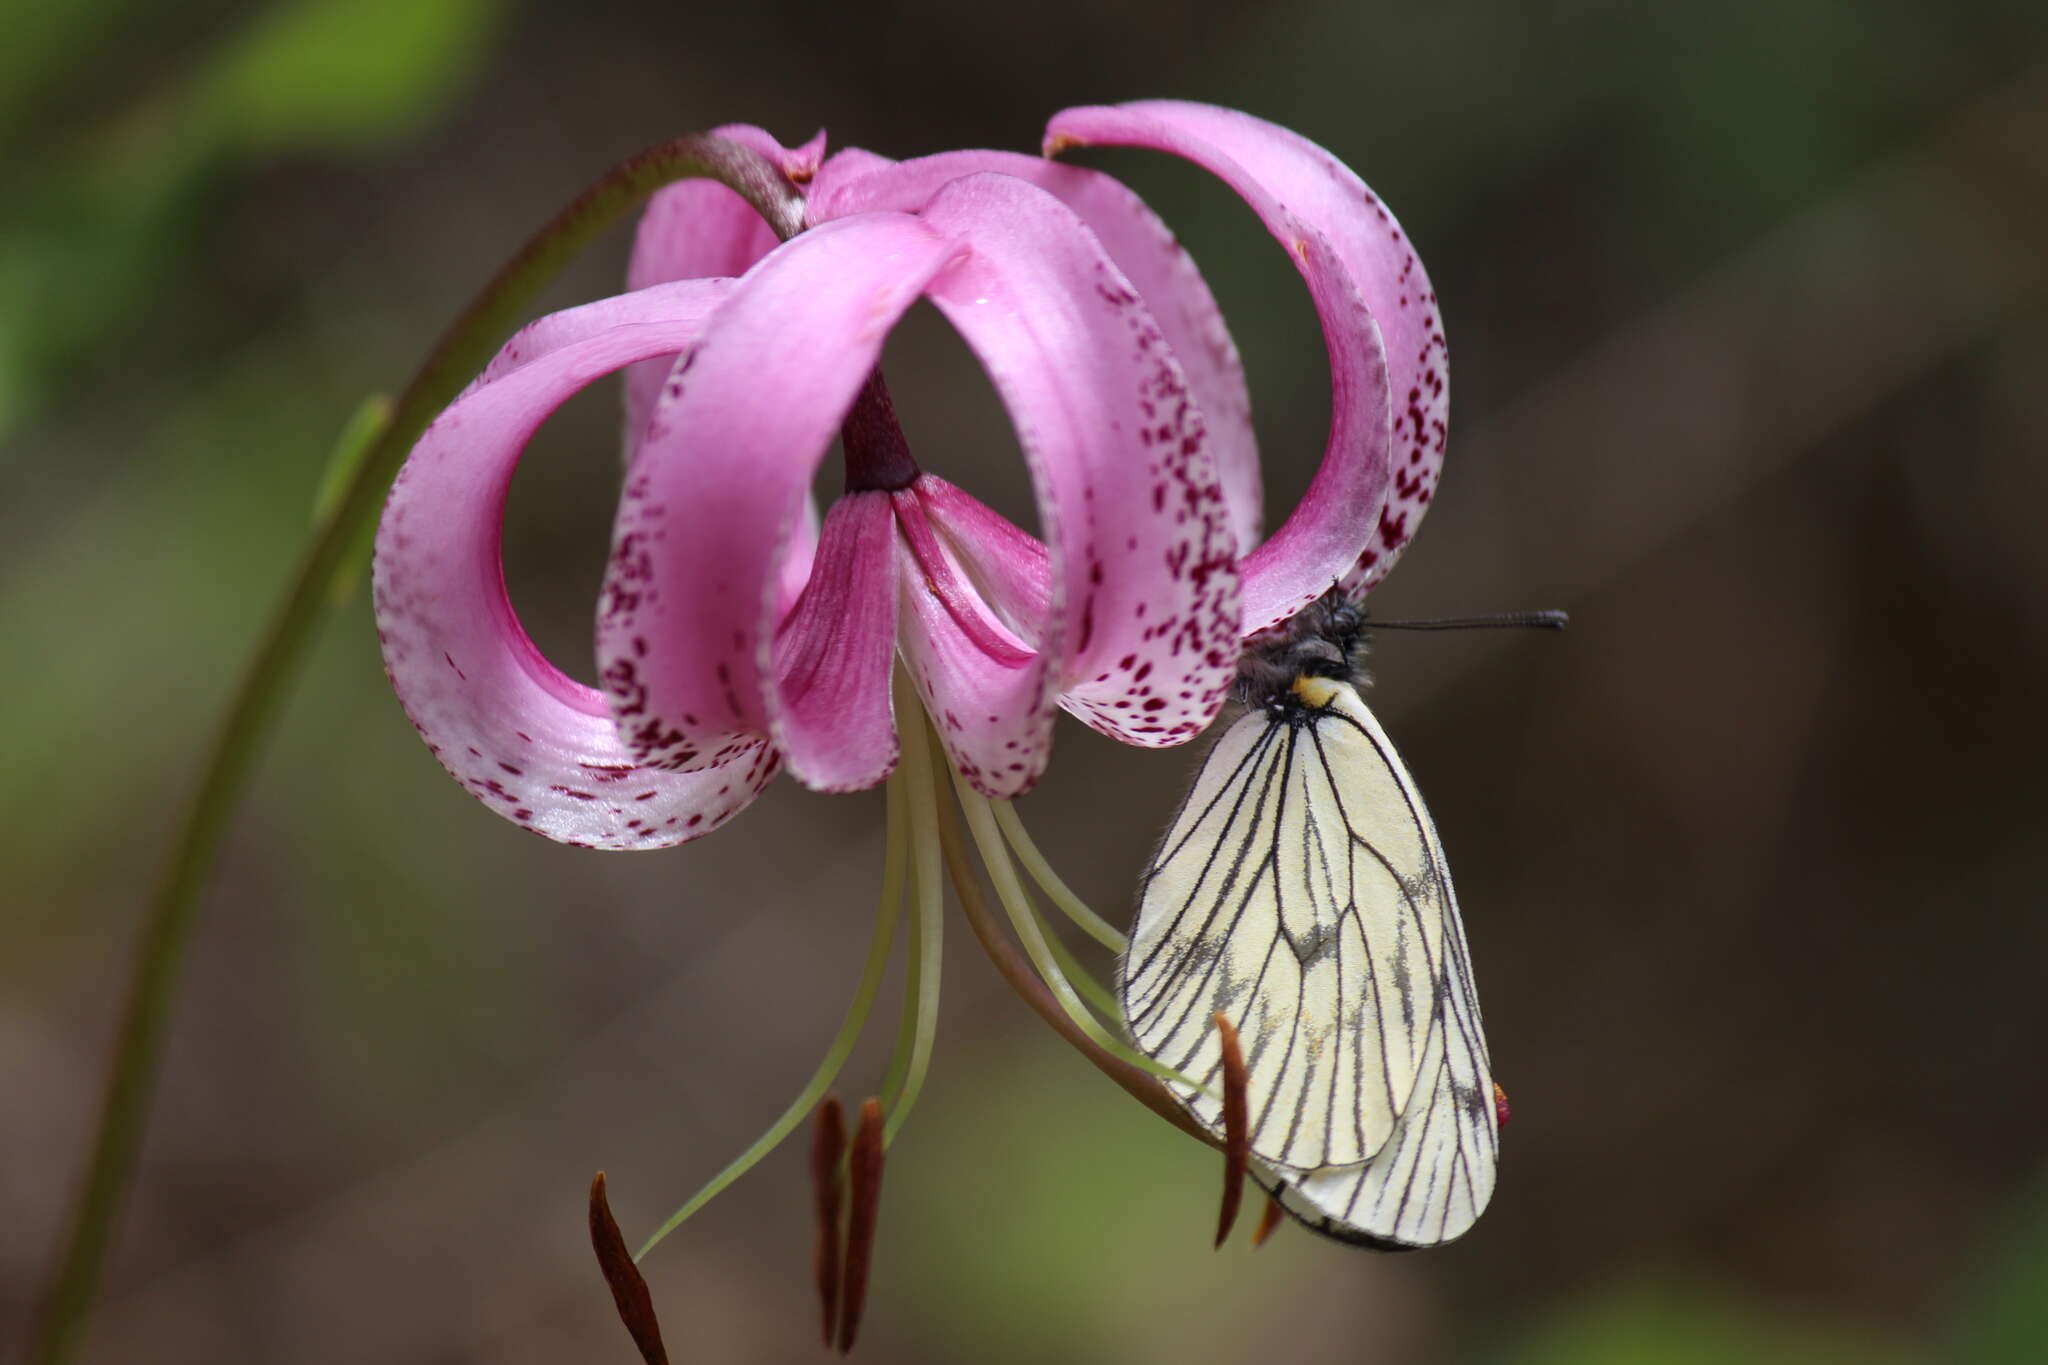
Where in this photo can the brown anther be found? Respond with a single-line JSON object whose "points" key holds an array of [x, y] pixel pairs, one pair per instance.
{"points": [[1237, 1137], [828, 1147], [865, 1169], [1268, 1220], [1501, 1112], [629, 1290]]}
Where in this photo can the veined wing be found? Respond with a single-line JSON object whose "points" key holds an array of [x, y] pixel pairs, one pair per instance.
{"points": [[1301, 892], [1433, 1179]]}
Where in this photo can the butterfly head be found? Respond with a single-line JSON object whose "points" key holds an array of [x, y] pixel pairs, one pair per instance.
{"points": [[1324, 640]]}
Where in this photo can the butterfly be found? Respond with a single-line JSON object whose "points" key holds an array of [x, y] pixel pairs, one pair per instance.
{"points": [[1301, 892]]}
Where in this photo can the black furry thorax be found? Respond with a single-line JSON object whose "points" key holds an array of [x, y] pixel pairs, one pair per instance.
{"points": [[1325, 639]]}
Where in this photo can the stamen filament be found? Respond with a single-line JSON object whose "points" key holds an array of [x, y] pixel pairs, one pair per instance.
{"points": [[894, 862], [1049, 881], [921, 984], [1010, 892], [1018, 973], [906, 1018], [1092, 990]]}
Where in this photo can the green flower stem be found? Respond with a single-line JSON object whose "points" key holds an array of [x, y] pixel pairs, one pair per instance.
{"points": [[461, 352], [1076, 909], [922, 969], [893, 869]]}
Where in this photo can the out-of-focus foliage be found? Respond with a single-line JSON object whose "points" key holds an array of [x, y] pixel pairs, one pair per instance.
{"points": [[2003, 1313], [96, 219], [1679, 1323]]}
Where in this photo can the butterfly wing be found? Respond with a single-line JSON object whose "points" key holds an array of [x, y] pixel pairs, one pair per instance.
{"points": [[1302, 892]]}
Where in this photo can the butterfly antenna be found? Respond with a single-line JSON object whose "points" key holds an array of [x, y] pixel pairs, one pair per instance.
{"points": [[1537, 620]]}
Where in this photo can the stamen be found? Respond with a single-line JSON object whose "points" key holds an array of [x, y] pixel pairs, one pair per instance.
{"points": [[896, 855], [1501, 1111], [828, 1148], [1002, 875], [629, 1290], [866, 1170], [1076, 909], [1237, 1133], [913, 1057], [1015, 971], [1093, 991], [877, 456], [1268, 1220]]}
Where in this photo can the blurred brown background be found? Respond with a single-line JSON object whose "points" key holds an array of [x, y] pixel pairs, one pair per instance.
{"points": [[1747, 308]]}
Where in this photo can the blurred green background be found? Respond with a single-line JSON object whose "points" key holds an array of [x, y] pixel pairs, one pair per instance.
{"points": [[1747, 307]]}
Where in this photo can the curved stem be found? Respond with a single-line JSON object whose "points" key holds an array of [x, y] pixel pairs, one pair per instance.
{"points": [[1025, 981], [460, 353]]}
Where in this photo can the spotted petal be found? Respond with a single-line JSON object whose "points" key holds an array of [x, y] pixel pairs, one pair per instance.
{"points": [[534, 744], [1361, 277], [1142, 568], [686, 629], [1148, 254]]}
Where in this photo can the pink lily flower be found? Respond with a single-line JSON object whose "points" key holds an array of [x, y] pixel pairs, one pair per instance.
{"points": [[738, 632], [737, 635]]}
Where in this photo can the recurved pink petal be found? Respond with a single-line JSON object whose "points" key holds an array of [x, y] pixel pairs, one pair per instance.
{"points": [[531, 742], [687, 302], [1363, 278], [685, 625], [697, 229], [1143, 565], [989, 693], [1007, 568], [828, 701], [1150, 257]]}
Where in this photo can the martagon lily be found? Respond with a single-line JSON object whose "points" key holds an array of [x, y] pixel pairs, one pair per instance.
{"points": [[739, 633]]}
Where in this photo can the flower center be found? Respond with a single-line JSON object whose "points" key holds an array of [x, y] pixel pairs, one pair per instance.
{"points": [[877, 457]]}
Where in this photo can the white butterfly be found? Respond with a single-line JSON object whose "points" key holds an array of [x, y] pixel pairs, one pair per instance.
{"points": [[1302, 892]]}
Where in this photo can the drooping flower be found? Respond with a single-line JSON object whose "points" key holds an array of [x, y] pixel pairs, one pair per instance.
{"points": [[739, 632], [731, 641]]}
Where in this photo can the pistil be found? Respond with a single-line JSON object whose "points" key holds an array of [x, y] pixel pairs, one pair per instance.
{"points": [[877, 455]]}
